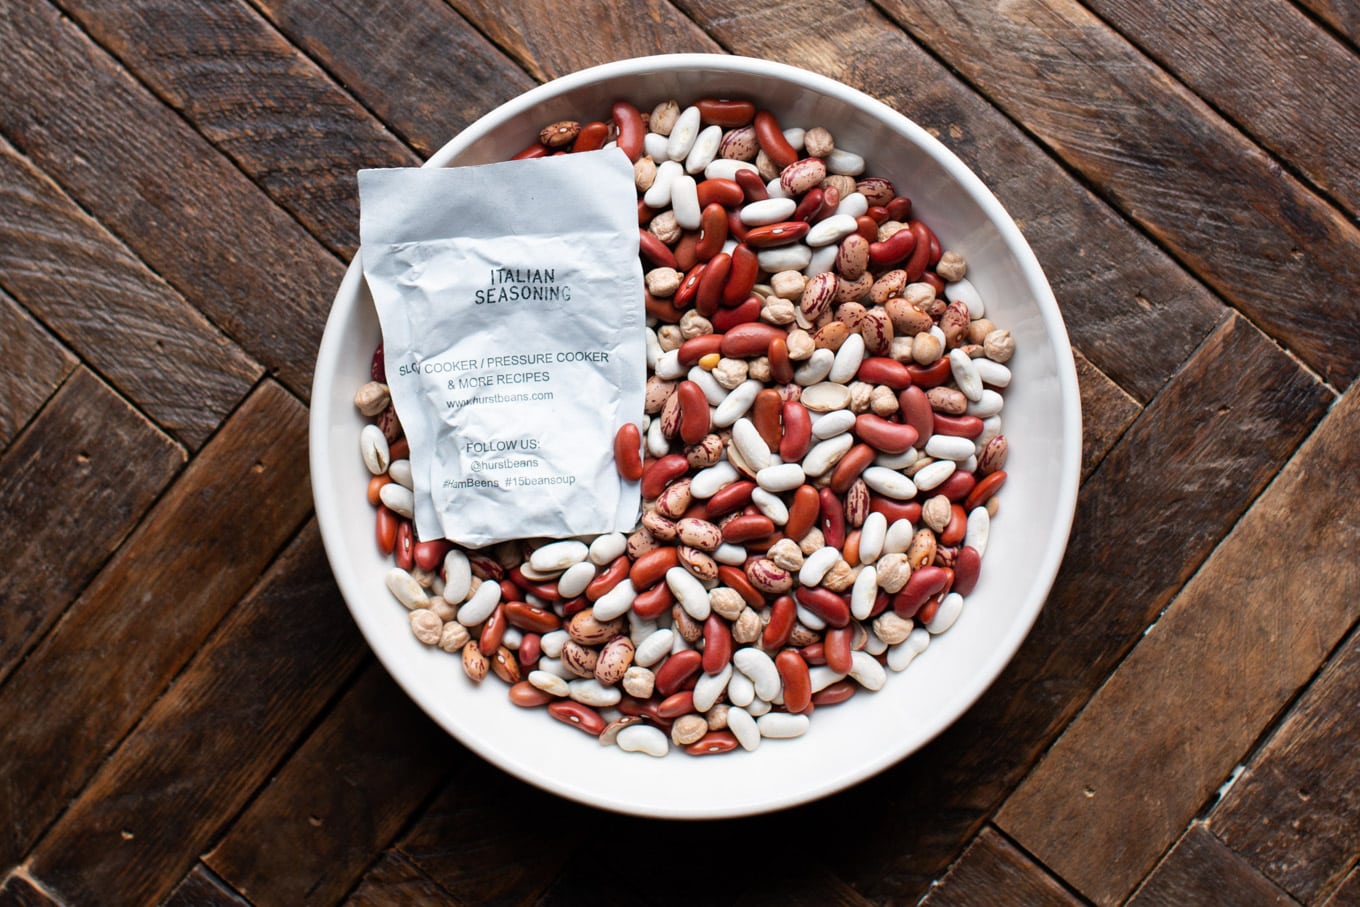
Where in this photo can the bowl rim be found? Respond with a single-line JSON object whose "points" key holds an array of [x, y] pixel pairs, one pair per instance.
{"points": [[1045, 570]]}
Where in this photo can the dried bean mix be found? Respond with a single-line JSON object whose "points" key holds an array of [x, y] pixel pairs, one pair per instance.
{"points": [[819, 455]]}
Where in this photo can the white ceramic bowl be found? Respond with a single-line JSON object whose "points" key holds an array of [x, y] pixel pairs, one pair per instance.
{"points": [[871, 732]]}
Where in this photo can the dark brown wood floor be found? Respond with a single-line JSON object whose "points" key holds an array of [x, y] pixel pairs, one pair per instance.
{"points": [[188, 714]]}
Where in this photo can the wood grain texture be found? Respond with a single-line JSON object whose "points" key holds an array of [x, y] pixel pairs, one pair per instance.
{"points": [[1293, 812], [111, 309], [201, 889], [395, 882], [359, 778], [71, 488], [1309, 116], [551, 38], [36, 362], [1106, 802], [800, 886], [200, 549], [177, 202], [1134, 313], [992, 873], [1253, 232], [1106, 411], [257, 98], [19, 890], [1341, 15], [1201, 870], [1145, 521], [422, 68], [474, 838], [187, 767], [1348, 894]]}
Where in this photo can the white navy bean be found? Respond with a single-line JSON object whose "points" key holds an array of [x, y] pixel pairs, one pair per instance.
{"points": [[639, 628], [784, 477], [816, 368], [898, 537], [866, 671], [457, 576], [643, 738], [683, 134], [871, 537], [993, 373], [949, 447], [736, 403], [726, 169], [658, 445], [875, 646], [832, 230], [741, 692], [593, 693], [864, 591], [607, 547], [758, 666], [825, 396], [538, 576], [752, 447], [654, 146], [768, 211], [574, 580], [689, 591], [782, 725], [962, 290], [938, 333], [822, 677], [845, 163], [795, 136], [478, 608], [853, 205], [654, 349], [991, 427], [555, 557], [826, 454], [709, 687], [555, 666], [679, 644], [406, 588], [743, 727], [890, 482], [668, 367], [730, 554], [898, 461], [758, 707], [793, 257], [714, 392], [988, 404], [807, 618], [685, 202], [969, 465], [549, 683], [654, 648], [400, 472], [615, 602], [775, 189], [965, 374], [704, 149], [821, 261], [902, 654], [829, 425], [375, 450], [708, 482], [979, 528], [932, 475], [771, 505], [816, 565], [848, 360], [951, 606], [552, 642], [658, 195]]}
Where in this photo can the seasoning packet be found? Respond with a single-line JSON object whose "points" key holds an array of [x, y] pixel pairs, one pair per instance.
{"points": [[511, 302]]}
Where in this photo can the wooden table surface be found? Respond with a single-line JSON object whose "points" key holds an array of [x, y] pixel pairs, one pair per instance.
{"points": [[188, 714]]}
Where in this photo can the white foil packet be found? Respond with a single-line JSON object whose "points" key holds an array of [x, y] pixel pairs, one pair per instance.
{"points": [[511, 303]]}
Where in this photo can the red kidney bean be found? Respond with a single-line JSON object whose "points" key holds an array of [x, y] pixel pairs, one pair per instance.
{"points": [[661, 473], [796, 438], [652, 566], [546, 590], [826, 604], [628, 121], [661, 309], [537, 149], [922, 584], [793, 671], [741, 277], [689, 286], [781, 367], [867, 227], [835, 693], [962, 426], [746, 340], [783, 617], [746, 528], [727, 318], [833, 518], [493, 631], [725, 192], [855, 461], [809, 207], [735, 578], [532, 618], [880, 604], [884, 435], [654, 250], [935, 282], [530, 649], [803, 512], [899, 209], [685, 256], [607, 580], [882, 370], [725, 113], [957, 526], [509, 591], [933, 375], [527, 696], [676, 669], [709, 294], [577, 715], [920, 255], [694, 412], [400, 449], [628, 452], [375, 485], [771, 140], [927, 611], [736, 230], [654, 602], [766, 415], [917, 412], [752, 185], [781, 234], [696, 348], [430, 555], [957, 486], [728, 499], [838, 644], [892, 250], [385, 530], [406, 543], [377, 365], [984, 490], [676, 704], [878, 213], [814, 654], [717, 644], [591, 137], [713, 743], [712, 231], [967, 566]]}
